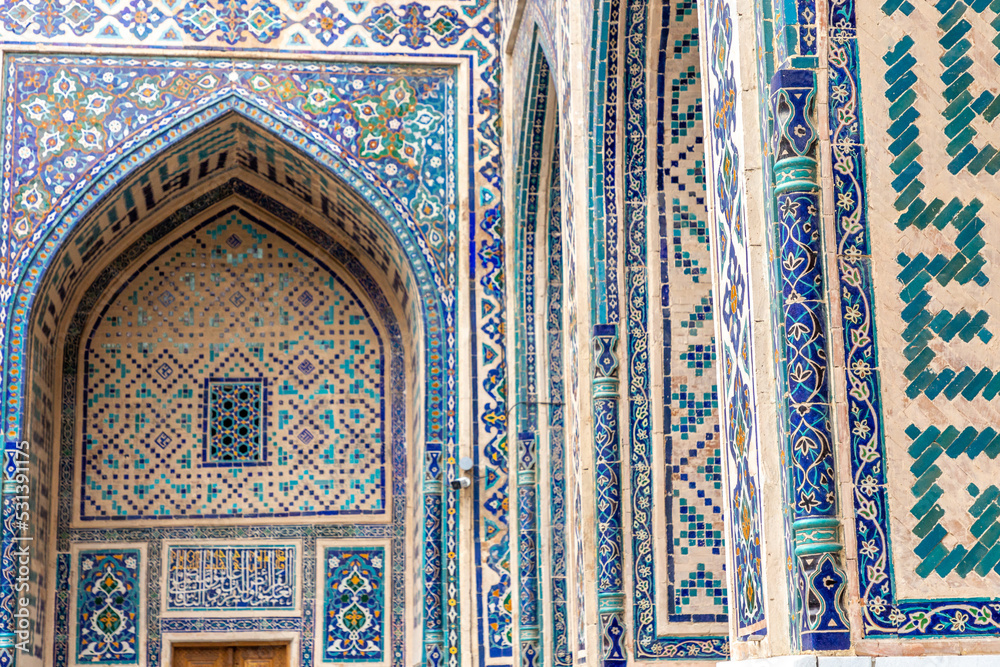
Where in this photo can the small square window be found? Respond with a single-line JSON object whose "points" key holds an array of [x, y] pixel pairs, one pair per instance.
{"points": [[236, 422]]}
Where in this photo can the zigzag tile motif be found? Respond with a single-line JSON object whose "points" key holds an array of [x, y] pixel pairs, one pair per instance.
{"points": [[966, 265]]}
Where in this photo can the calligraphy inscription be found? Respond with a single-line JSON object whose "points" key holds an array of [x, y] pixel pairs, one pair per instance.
{"points": [[214, 578]]}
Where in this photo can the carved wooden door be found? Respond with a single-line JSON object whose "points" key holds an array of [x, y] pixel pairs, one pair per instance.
{"points": [[231, 656]]}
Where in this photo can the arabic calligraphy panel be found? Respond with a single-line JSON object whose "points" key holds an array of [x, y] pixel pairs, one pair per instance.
{"points": [[221, 579]]}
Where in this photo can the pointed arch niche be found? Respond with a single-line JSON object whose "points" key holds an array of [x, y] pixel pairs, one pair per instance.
{"points": [[225, 396]]}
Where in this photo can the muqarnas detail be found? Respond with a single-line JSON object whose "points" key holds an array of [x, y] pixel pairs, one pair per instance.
{"points": [[354, 605], [107, 607]]}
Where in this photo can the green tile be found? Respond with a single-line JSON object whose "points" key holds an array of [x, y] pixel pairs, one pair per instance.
{"points": [[924, 505], [949, 562], [930, 520], [984, 500], [937, 553], [927, 544]]}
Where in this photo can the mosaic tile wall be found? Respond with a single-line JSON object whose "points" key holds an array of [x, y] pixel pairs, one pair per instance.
{"points": [[462, 31], [694, 546], [232, 376], [210, 579], [922, 375], [181, 179], [688, 181]]}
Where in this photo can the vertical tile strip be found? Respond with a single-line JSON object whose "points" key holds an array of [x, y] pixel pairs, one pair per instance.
{"points": [[608, 485], [15, 464], [433, 586], [529, 194], [562, 653], [823, 623], [734, 334]]}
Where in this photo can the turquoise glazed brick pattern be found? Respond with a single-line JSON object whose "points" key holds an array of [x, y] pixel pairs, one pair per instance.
{"points": [[108, 610], [459, 32], [983, 510], [354, 598], [232, 299], [696, 562], [921, 366]]}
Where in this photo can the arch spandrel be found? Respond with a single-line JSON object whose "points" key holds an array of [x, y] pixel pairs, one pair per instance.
{"points": [[405, 234], [429, 248], [240, 152]]}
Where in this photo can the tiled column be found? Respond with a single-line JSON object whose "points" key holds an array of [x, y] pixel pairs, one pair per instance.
{"points": [[823, 621], [433, 612], [608, 494]]}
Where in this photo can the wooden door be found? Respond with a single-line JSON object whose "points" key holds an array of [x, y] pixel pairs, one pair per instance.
{"points": [[209, 655], [260, 656]]}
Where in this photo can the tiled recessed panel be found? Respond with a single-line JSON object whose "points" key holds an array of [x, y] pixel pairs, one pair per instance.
{"points": [[351, 598], [236, 397], [108, 623]]}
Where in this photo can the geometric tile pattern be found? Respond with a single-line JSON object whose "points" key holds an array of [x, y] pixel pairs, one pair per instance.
{"points": [[984, 553], [621, 79], [695, 560], [236, 421], [923, 384], [231, 298], [108, 613], [923, 324], [225, 578], [353, 604]]}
